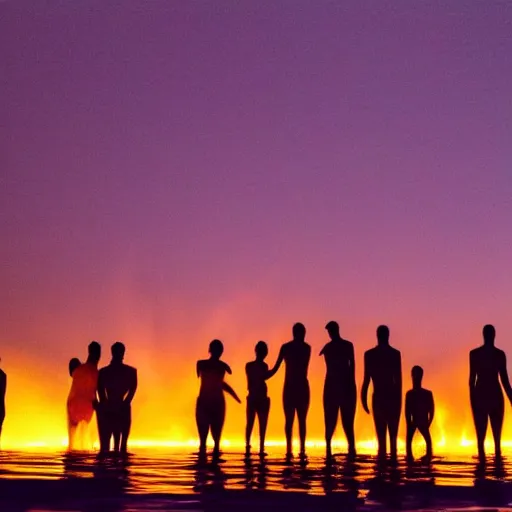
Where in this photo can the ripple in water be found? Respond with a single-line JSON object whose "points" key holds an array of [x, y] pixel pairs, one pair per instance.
{"points": [[157, 481]]}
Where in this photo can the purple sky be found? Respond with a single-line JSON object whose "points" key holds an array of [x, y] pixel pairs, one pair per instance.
{"points": [[173, 172]]}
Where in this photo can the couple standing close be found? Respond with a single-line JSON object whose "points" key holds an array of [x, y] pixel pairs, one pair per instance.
{"points": [[108, 391]]}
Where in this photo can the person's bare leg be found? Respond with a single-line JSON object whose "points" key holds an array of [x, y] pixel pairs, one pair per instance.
{"points": [[411, 429], [263, 420], [480, 419], [71, 435], [380, 429], [496, 420], [425, 432], [289, 416], [348, 414], [393, 423], [117, 440], [250, 416], [330, 418], [302, 415], [217, 425], [203, 426], [125, 432]]}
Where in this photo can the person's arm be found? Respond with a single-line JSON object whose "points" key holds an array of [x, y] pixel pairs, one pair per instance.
{"points": [[472, 376], [504, 377], [228, 389], [398, 375], [408, 412], [102, 390], [432, 409], [227, 368], [3, 385], [322, 352], [279, 361], [352, 364], [132, 389], [198, 368], [366, 384]]}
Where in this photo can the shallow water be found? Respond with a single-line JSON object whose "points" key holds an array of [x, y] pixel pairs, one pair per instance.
{"points": [[154, 480]]}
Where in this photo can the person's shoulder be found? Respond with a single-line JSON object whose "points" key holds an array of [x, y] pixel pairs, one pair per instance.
{"points": [[395, 351], [130, 369], [499, 352], [409, 393], [104, 370], [249, 365], [475, 351], [326, 348], [2, 374], [371, 351]]}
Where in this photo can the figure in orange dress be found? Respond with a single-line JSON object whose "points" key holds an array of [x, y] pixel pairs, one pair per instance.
{"points": [[82, 396]]}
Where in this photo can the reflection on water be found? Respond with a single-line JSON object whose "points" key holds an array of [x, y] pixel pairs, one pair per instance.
{"points": [[162, 481]]}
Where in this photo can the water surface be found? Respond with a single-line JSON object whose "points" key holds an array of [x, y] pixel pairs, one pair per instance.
{"points": [[157, 480]]}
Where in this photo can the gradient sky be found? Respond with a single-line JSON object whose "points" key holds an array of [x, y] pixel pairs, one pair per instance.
{"points": [[172, 172]]}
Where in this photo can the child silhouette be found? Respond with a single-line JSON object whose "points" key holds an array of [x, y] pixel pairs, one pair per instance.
{"points": [[419, 412], [258, 402]]}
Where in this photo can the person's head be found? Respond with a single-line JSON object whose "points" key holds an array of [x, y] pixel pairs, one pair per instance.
{"points": [[73, 365], [261, 350], [417, 375], [299, 332], [94, 352], [216, 349], [118, 350], [333, 329], [383, 334], [489, 333]]}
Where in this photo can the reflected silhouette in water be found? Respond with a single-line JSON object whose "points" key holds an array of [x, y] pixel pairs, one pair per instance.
{"points": [[255, 472], [209, 477], [79, 481]]}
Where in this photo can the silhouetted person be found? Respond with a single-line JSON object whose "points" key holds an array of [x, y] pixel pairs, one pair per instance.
{"points": [[340, 395], [383, 366], [82, 396], [3, 389], [74, 363], [258, 402], [117, 384], [419, 412], [211, 405], [296, 355], [487, 365]]}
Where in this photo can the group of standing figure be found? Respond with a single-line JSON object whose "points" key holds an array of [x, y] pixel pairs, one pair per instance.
{"points": [[108, 391], [382, 368]]}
